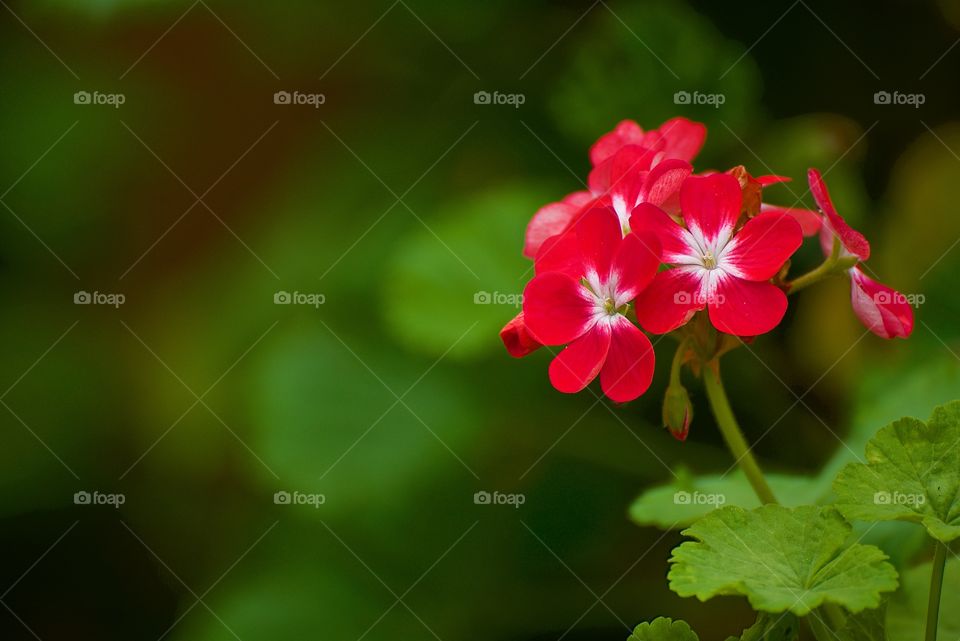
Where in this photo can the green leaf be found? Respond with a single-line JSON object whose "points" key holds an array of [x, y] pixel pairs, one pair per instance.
{"points": [[781, 559], [912, 474], [867, 625], [907, 610], [780, 627], [663, 629], [683, 501]]}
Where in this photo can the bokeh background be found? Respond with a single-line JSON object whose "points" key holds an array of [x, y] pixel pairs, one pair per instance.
{"points": [[399, 200]]}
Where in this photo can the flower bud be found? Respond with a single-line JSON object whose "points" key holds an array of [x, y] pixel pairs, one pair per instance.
{"points": [[677, 411]]}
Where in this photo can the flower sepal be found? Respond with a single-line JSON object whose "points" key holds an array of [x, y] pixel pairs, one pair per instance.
{"points": [[677, 411]]}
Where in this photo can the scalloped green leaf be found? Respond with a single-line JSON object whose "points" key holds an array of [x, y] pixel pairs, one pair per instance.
{"points": [[781, 559], [663, 629], [769, 627], [683, 501], [912, 474], [867, 625]]}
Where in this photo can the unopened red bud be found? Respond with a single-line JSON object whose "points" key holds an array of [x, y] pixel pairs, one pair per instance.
{"points": [[677, 411]]}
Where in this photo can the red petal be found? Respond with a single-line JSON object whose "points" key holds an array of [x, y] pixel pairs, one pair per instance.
{"points": [[683, 138], [580, 361], [627, 132], [670, 300], [628, 370], [518, 341], [853, 241], [647, 218], [560, 253], [664, 181], [772, 179], [634, 265], [621, 175], [599, 234], [884, 311], [760, 249], [557, 309], [746, 308], [810, 221], [552, 219], [711, 204]]}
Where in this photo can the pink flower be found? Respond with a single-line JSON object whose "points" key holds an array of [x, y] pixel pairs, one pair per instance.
{"points": [[884, 311], [716, 266], [585, 281]]}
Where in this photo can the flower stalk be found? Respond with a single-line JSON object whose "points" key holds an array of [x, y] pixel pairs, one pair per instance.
{"points": [[831, 266], [936, 585], [732, 434]]}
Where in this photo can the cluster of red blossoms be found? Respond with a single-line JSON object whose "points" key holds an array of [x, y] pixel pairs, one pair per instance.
{"points": [[673, 243]]}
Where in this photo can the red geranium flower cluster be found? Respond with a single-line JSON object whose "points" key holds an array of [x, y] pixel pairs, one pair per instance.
{"points": [[651, 233]]}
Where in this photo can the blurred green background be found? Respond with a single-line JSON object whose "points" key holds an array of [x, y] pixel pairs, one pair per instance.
{"points": [[399, 200]]}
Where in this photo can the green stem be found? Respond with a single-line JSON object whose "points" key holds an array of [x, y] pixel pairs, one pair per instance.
{"points": [[732, 433], [936, 584], [679, 358], [823, 270]]}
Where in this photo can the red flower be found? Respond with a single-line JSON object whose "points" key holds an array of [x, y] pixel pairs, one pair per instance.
{"points": [[715, 265], [884, 311], [678, 138], [622, 181], [753, 186], [630, 166], [585, 281], [517, 338]]}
